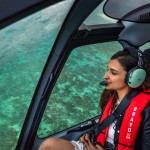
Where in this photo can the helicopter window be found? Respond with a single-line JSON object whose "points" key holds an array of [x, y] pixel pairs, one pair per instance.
{"points": [[24, 48], [98, 17], [75, 97]]}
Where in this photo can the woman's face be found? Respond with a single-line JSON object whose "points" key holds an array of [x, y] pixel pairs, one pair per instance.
{"points": [[115, 76]]}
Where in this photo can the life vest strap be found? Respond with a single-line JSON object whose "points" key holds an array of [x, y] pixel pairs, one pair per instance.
{"points": [[130, 146]]}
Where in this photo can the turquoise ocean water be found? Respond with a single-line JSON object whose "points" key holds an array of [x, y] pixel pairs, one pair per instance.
{"points": [[23, 53], [24, 48]]}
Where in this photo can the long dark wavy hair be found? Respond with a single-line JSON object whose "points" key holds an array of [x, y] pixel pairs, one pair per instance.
{"points": [[127, 62]]}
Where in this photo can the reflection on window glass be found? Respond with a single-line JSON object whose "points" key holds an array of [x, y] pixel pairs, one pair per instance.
{"points": [[75, 97], [98, 17], [24, 48]]}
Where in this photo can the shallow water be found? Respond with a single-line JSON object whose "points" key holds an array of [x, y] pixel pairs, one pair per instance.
{"points": [[24, 48], [23, 53]]}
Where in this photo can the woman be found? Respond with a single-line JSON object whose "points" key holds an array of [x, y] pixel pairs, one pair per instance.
{"points": [[116, 89]]}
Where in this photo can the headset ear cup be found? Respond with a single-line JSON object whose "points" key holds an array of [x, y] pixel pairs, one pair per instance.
{"points": [[135, 77]]}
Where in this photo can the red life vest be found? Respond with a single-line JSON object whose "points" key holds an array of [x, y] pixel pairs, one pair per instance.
{"points": [[130, 123]]}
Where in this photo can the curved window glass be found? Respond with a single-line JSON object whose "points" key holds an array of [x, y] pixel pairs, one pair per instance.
{"points": [[24, 48], [98, 17], [75, 97]]}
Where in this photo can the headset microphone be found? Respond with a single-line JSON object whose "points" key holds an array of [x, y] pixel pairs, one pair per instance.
{"points": [[104, 83]]}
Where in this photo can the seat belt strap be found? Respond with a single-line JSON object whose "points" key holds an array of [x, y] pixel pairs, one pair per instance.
{"points": [[118, 112]]}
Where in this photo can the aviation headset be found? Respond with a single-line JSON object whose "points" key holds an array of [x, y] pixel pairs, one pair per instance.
{"points": [[136, 76]]}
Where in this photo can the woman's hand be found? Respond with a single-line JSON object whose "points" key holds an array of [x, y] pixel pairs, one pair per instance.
{"points": [[86, 140]]}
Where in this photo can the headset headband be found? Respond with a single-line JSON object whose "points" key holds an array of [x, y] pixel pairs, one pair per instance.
{"points": [[137, 54]]}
